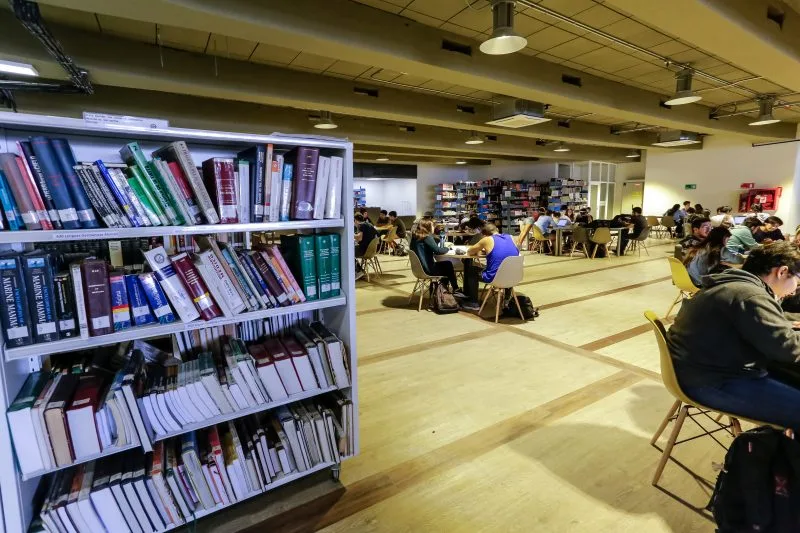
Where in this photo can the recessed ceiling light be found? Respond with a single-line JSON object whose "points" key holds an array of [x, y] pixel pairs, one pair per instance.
{"points": [[325, 121], [474, 139], [683, 89], [765, 112], [633, 154], [673, 138], [504, 39], [561, 148], [12, 67], [382, 158], [461, 162]]}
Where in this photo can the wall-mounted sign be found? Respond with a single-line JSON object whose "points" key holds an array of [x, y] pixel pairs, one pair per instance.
{"points": [[747, 186], [690, 186], [106, 119]]}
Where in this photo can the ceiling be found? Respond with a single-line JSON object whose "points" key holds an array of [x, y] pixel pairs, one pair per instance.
{"points": [[273, 54]]}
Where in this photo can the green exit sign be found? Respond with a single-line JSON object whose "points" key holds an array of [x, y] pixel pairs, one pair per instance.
{"points": [[690, 186]]}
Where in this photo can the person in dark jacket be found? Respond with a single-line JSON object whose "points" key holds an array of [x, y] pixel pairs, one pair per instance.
{"points": [[424, 245], [728, 333]]}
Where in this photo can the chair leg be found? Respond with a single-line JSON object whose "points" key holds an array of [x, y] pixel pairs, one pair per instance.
{"points": [[499, 297], [411, 296], [737, 427], [421, 295], [487, 291], [594, 251], [605, 249], [645, 250], [670, 443], [514, 295], [665, 422], [671, 307]]}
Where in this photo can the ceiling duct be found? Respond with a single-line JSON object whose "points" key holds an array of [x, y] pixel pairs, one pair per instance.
{"points": [[517, 113], [677, 138]]}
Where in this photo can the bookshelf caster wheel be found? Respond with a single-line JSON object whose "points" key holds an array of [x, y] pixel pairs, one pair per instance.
{"points": [[335, 473]]}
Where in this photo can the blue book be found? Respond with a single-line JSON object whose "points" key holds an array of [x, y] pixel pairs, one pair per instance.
{"points": [[158, 300], [138, 301], [56, 183], [78, 194], [256, 156], [41, 299], [120, 308], [286, 191], [9, 205], [121, 194], [14, 305], [258, 281]]}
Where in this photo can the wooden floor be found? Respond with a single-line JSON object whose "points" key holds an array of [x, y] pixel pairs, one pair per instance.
{"points": [[544, 426]]}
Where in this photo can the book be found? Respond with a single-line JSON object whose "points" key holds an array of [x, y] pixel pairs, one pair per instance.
{"points": [[76, 277], [335, 352], [268, 198], [321, 188], [80, 200], [282, 273], [333, 201], [195, 216], [226, 282], [305, 161], [38, 273], [149, 175], [143, 189], [214, 280], [21, 423], [156, 298], [286, 191], [176, 291], [284, 366], [275, 253], [336, 263], [65, 306], [191, 460], [301, 362], [81, 416], [27, 211], [26, 151], [276, 186], [90, 171], [196, 286], [178, 152], [243, 189], [322, 374], [106, 211], [33, 189], [140, 310], [102, 497], [272, 280], [122, 193], [302, 261], [97, 296], [55, 418], [120, 306], [167, 190], [238, 270], [17, 330], [256, 158], [218, 175], [10, 210], [322, 245]]}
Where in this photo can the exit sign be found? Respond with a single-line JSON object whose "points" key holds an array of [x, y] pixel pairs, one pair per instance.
{"points": [[690, 186], [747, 186]]}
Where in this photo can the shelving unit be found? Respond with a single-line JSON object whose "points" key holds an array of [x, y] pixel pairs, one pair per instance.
{"points": [[360, 197], [446, 202], [519, 200], [90, 142], [467, 196], [489, 193]]}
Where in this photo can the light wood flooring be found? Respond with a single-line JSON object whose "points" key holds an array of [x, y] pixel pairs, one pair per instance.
{"points": [[469, 426]]}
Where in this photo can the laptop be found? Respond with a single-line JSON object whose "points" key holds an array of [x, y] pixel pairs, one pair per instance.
{"points": [[563, 222], [739, 220]]}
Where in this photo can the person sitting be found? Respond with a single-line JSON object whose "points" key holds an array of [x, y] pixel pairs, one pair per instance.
{"points": [[710, 256], [637, 224], [723, 217], [770, 231], [473, 226], [569, 213], [791, 304], [364, 213], [742, 239], [725, 335], [583, 217], [546, 223], [700, 228], [427, 215], [383, 219], [678, 216], [399, 225], [497, 246], [424, 245], [365, 233], [757, 210]]}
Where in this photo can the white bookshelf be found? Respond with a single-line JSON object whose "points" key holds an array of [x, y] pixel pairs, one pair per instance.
{"points": [[91, 142]]}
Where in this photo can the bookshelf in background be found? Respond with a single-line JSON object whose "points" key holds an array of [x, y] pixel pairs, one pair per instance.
{"points": [[210, 302], [489, 193], [566, 193], [359, 197], [467, 196], [445, 202]]}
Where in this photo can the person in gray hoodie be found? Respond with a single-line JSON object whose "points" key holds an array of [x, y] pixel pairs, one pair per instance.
{"points": [[728, 333]]}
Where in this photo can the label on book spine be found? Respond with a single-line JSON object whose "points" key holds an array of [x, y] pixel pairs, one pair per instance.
{"points": [[68, 215]]}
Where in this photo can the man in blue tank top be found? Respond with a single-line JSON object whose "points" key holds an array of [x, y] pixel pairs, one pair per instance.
{"points": [[496, 246]]}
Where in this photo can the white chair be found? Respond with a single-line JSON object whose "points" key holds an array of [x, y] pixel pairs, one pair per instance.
{"points": [[508, 276], [370, 259], [423, 279]]}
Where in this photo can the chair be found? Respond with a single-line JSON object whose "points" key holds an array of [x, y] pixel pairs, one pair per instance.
{"points": [[682, 407], [681, 279], [370, 259], [668, 221], [539, 240], [423, 278], [387, 243], [580, 237], [637, 243], [600, 237], [508, 276], [655, 227]]}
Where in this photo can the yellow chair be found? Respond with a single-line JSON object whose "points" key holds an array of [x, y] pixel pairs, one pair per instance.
{"points": [[370, 259], [681, 408], [387, 243], [681, 279], [600, 237], [539, 240], [580, 239]]}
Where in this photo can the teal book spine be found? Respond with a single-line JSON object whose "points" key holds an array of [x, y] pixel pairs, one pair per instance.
{"points": [[322, 244], [336, 264], [286, 191], [9, 205]]}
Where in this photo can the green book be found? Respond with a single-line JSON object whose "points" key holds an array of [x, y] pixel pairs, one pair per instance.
{"points": [[322, 244], [170, 196], [336, 263], [299, 253], [133, 156], [142, 191], [30, 390]]}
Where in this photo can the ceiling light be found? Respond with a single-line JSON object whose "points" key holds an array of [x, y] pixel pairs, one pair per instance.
{"points": [[474, 139], [382, 158], [325, 121], [461, 162], [683, 89], [677, 138], [12, 67], [765, 112], [561, 148], [504, 39], [633, 153]]}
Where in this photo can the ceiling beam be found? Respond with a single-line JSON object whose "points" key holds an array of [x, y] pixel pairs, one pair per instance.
{"points": [[347, 30]]}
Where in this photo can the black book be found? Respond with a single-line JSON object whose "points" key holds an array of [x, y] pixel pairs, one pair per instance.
{"points": [[41, 300], [14, 304], [65, 306]]}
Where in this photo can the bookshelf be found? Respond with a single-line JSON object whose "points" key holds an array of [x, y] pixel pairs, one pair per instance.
{"points": [[489, 193], [93, 141], [359, 197]]}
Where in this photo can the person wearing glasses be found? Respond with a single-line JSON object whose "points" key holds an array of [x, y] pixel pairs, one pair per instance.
{"points": [[733, 348]]}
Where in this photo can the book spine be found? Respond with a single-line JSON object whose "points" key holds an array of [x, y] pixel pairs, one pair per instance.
{"points": [[322, 246], [336, 263], [186, 191], [228, 289], [333, 203], [33, 193], [142, 187], [120, 307], [106, 214], [121, 179], [244, 281], [257, 184], [14, 309], [273, 283], [286, 191], [276, 253], [282, 277], [276, 184], [268, 180], [56, 184], [9, 205], [133, 157], [120, 192], [155, 295], [176, 194], [305, 183], [27, 212], [197, 288], [138, 301], [98, 298], [109, 199], [196, 181], [80, 301], [258, 281], [66, 161], [36, 171], [243, 190], [172, 284], [321, 190], [164, 194], [65, 306], [219, 178], [41, 304]]}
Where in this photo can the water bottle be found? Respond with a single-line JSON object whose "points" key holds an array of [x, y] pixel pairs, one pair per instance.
{"points": [[441, 239]]}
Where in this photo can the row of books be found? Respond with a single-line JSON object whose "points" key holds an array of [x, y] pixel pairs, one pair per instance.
{"points": [[97, 402], [41, 305], [43, 187], [198, 472]]}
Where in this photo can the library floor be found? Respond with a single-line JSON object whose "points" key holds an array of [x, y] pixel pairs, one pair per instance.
{"points": [[469, 426]]}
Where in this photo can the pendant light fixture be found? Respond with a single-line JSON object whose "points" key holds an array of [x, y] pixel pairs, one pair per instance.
{"points": [[633, 154], [561, 148], [504, 39], [382, 158], [461, 162], [683, 89], [474, 138], [325, 121], [765, 112]]}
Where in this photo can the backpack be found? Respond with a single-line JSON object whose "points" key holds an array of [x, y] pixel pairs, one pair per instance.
{"points": [[757, 490], [442, 301], [401, 248], [529, 312]]}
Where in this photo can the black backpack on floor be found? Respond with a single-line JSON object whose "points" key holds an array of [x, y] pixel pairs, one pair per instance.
{"points": [[529, 312], [442, 300]]}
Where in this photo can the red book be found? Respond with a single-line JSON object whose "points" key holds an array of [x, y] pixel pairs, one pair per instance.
{"points": [[304, 182], [220, 181], [284, 366], [198, 291], [33, 192], [81, 416], [186, 190], [97, 296], [275, 286]]}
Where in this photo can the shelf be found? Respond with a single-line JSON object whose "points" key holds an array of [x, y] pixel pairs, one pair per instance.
{"points": [[283, 480], [104, 453], [214, 420], [158, 330], [9, 237]]}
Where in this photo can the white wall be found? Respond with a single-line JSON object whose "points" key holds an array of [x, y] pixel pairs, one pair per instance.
{"points": [[514, 171], [626, 171], [717, 170], [392, 194]]}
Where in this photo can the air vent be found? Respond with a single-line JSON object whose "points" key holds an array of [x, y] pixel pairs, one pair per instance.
{"points": [[465, 109], [458, 48], [776, 15], [571, 80], [564, 123], [491, 137], [674, 138], [518, 114], [363, 91]]}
